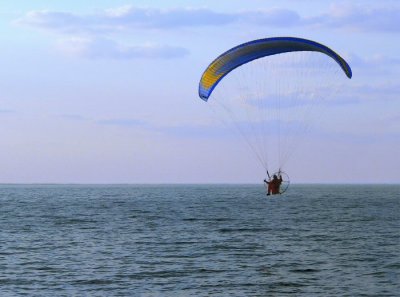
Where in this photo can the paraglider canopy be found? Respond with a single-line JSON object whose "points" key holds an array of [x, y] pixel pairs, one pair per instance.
{"points": [[256, 49]]}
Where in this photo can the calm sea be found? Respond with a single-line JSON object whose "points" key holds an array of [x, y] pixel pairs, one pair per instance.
{"points": [[199, 240]]}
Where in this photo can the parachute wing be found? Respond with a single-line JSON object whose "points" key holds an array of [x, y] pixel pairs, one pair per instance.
{"points": [[255, 49]]}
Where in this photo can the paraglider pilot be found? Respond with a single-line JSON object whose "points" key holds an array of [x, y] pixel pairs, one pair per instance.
{"points": [[274, 185]]}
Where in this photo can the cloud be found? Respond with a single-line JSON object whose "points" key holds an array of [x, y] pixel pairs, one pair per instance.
{"points": [[367, 94], [373, 62], [180, 129], [73, 117], [123, 122], [7, 111], [272, 17], [360, 18], [129, 18], [182, 17], [55, 21], [378, 91], [91, 35], [124, 18], [106, 48]]}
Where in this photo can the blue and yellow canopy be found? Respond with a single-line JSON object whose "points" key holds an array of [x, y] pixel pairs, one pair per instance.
{"points": [[256, 49]]}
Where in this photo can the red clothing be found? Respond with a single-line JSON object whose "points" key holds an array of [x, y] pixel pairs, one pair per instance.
{"points": [[274, 185]]}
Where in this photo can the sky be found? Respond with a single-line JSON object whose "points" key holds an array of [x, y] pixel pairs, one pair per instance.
{"points": [[107, 92]]}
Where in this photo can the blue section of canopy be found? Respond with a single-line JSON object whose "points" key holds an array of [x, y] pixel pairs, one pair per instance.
{"points": [[256, 49]]}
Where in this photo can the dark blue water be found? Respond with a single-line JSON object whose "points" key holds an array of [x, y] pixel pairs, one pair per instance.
{"points": [[199, 241]]}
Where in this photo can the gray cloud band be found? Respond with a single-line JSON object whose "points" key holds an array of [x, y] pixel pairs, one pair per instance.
{"points": [[126, 18]]}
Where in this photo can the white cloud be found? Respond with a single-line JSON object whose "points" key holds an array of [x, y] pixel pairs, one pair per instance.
{"points": [[91, 35], [129, 17], [359, 18], [272, 17], [123, 122], [54, 21], [124, 18], [372, 62], [119, 11], [6, 111], [106, 48]]}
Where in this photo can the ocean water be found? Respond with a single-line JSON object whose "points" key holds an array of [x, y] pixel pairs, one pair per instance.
{"points": [[199, 240]]}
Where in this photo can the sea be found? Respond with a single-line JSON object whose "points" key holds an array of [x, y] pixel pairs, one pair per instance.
{"points": [[199, 240]]}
